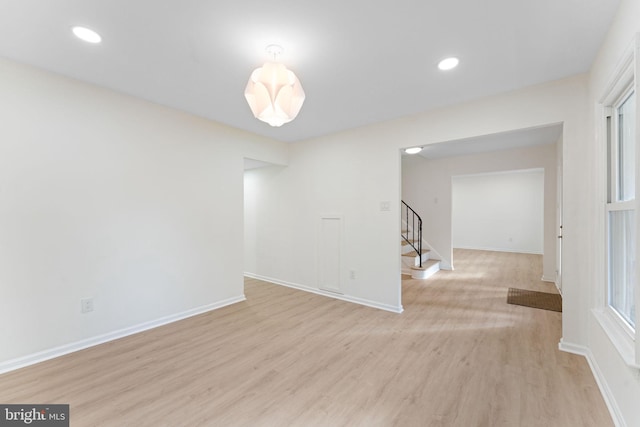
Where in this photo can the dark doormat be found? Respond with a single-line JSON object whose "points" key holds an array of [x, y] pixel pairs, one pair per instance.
{"points": [[535, 299]]}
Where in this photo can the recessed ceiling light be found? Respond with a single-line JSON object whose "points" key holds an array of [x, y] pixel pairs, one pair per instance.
{"points": [[414, 150], [86, 34], [448, 63]]}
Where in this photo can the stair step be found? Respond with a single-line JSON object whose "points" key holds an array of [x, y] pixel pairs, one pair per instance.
{"points": [[407, 249], [413, 253], [409, 256], [427, 264], [429, 268]]}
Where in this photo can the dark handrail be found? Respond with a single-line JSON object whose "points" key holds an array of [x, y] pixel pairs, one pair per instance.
{"points": [[416, 232]]}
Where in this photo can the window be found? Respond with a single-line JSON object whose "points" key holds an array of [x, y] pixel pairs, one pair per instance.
{"points": [[621, 215], [619, 171]]}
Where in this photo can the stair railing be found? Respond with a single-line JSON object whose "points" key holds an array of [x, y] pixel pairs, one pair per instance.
{"points": [[413, 236]]}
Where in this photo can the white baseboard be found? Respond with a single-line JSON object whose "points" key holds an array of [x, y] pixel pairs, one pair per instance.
{"points": [[607, 395], [558, 287], [548, 279], [491, 249], [580, 350], [341, 297], [32, 359]]}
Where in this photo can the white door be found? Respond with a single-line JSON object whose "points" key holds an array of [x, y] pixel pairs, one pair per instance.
{"points": [[329, 253]]}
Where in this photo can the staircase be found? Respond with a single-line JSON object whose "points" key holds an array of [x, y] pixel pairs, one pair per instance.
{"points": [[411, 263], [416, 260]]}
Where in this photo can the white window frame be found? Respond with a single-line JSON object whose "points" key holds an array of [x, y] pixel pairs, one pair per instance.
{"points": [[613, 204], [624, 81]]}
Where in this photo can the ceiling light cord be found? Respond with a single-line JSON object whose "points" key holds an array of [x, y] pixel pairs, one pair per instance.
{"points": [[274, 50]]}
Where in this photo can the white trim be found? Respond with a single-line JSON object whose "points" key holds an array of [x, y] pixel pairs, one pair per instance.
{"points": [[621, 83], [607, 395], [555, 282], [627, 205], [505, 172], [347, 298], [319, 277], [572, 348], [548, 279], [32, 359], [622, 76], [618, 336], [499, 250]]}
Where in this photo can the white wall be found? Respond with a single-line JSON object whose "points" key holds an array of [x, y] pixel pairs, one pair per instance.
{"points": [[105, 196], [557, 231], [352, 172], [343, 176], [499, 211], [259, 224], [621, 381], [427, 186]]}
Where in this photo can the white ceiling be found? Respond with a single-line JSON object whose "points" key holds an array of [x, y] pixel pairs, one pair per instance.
{"points": [[359, 61], [495, 142]]}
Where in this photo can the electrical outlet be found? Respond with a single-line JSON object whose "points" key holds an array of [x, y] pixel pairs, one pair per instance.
{"points": [[86, 305], [352, 274]]}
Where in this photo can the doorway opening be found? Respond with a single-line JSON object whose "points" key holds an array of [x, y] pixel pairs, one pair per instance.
{"points": [[428, 179]]}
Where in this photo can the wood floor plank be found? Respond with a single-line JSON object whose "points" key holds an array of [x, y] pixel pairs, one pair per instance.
{"points": [[458, 356]]}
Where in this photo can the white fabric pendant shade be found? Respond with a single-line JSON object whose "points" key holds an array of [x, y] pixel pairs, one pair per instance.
{"points": [[274, 94]]}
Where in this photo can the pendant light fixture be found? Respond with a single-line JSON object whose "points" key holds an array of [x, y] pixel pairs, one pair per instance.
{"points": [[274, 93]]}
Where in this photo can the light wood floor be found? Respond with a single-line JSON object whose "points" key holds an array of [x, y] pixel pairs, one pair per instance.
{"points": [[458, 356]]}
